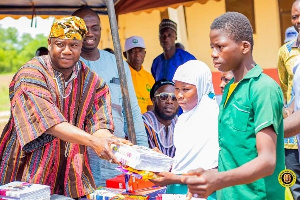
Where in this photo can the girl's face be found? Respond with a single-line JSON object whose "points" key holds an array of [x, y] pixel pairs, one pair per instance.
{"points": [[186, 95]]}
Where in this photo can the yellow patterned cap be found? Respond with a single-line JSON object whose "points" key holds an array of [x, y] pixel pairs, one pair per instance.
{"points": [[68, 28]]}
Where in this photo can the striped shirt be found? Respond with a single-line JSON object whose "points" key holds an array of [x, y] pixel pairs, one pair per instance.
{"points": [[159, 135], [40, 99]]}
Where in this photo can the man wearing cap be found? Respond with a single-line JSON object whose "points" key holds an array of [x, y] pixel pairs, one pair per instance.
{"points": [[160, 122], [165, 65], [58, 107], [105, 65], [287, 59], [134, 52]]}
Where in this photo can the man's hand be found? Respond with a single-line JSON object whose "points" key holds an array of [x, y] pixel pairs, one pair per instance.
{"points": [[201, 183], [101, 145]]}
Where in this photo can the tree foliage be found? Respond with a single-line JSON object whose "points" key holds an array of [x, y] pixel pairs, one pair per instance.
{"points": [[16, 50]]}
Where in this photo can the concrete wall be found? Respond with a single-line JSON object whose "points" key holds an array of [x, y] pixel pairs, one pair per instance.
{"points": [[266, 38]]}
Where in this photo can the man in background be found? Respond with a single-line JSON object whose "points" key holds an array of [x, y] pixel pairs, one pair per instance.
{"points": [[161, 121], [135, 52], [165, 65], [105, 65], [225, 79]]}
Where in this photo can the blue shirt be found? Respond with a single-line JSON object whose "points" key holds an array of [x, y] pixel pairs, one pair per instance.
{"points": [[162, 68], [106, 68]]}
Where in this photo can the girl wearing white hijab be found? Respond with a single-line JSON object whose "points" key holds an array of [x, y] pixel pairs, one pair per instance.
{"points": [[196, 131]]}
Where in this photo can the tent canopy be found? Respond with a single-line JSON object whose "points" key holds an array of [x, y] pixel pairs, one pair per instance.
{"points": [[46, 8]]}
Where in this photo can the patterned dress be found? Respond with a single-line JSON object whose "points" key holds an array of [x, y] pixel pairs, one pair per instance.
{"points": [[40, 99]]}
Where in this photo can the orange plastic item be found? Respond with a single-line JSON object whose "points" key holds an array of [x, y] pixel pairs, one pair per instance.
{"points": [[134, 183]]}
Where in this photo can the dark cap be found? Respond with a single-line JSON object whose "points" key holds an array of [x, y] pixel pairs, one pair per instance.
{"points": [[158, 84], [167, 23]]}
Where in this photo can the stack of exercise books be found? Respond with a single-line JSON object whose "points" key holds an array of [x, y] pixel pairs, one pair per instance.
{"points": [[141, 162], [24, 191], [142, 158]]}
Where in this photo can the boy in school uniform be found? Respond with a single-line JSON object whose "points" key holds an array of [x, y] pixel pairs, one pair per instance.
{"points": [[251, 154]]}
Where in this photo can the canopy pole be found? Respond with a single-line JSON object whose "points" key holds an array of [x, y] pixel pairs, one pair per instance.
{"points": [[121, 71]]}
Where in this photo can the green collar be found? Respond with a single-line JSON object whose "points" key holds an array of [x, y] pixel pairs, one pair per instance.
{"points": [[254, 72]]}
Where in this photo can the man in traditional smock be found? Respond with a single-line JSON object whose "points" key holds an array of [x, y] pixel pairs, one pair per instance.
{"points": [[58, 107]]}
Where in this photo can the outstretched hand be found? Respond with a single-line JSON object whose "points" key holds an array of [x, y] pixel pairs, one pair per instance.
{"points": [[102, 145], [103, 149], [201, 183]]}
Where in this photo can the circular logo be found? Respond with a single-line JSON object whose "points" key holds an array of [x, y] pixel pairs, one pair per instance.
{"points": [[134, 41], [148, 87], [287, 178]]}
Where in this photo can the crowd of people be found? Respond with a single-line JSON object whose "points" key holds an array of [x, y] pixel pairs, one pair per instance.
{"points": [[67, 109]]}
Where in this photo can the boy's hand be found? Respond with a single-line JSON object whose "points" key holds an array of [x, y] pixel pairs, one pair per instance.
{"points": [[201, 183]]}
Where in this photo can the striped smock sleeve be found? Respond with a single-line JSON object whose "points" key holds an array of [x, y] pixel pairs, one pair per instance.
{"points": [[32, 106]]}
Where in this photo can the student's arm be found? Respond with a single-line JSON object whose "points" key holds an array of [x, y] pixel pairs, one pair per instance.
{"points": [[292, 124], [206, 182], [100, 140]]}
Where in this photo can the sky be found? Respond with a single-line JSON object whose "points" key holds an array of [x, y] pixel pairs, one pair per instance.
{"points": [[23, 25]]}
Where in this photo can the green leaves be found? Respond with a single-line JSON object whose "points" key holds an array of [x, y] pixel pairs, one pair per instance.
{"points": [[16, 50]]}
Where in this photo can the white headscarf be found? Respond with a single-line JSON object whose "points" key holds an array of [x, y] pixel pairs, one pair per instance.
{"points": [[196, 131], [197, 73]]}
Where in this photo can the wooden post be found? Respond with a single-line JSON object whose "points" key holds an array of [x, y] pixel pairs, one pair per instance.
{"points": [[121, 71]]}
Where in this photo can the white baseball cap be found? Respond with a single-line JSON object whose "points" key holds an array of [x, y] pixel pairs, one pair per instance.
{"points": [[133, 42], [290, 34]]}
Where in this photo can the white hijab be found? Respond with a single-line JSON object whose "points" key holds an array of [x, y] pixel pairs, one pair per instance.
{"points": [[196, 131], [197, 73]]}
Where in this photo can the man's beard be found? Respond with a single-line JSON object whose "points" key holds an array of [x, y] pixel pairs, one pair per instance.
{"points": [[164, 116]]}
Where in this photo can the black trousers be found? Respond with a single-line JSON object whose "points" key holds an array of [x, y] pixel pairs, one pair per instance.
{"points": [[292, 163]]}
